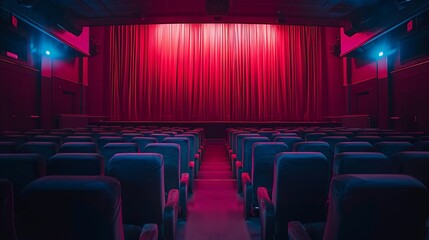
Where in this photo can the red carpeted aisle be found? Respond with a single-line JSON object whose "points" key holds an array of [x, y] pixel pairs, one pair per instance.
{"points": [[215, 209]]}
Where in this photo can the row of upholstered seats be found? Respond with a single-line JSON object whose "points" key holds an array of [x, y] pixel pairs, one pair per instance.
{"points": [[141, 176], [131, 204], [173, 153], [243, 158], [304, 188], [47, 144], [300, 191]]}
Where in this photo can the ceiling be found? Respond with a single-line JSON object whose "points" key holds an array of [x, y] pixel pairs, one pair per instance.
{"points": [[114, 12], [73, 14]]}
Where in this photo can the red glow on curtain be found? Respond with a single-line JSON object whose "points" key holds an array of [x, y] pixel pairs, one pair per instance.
{"points": [[216, 72]]}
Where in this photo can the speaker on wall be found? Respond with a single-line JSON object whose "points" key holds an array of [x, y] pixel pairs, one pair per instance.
{"points": [[217, 7]]}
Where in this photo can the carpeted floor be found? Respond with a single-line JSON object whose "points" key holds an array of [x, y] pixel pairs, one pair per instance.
{"points": [[215, 208]]}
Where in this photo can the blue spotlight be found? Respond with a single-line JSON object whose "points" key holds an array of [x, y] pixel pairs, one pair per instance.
{"points": [[380, 54], [47, 52]]}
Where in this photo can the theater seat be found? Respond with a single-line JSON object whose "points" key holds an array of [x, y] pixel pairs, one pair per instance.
{"points": [[393, 207], [79, 139], [413, 163], [362, 163], [110, 149], [159, 136], [143, 196], [172, 177], [81, 164], [289, 141], [79, 147], [186, 166], [246, 164], [193, 151], [103, 140], [70, 207], [300, 192], [261, 173], [315, 146], [371, 139], [353, 147], [8, 147], [45, 149], [7, 215], [21, 169], [238, 150], [390, 148], [143, 141], [314, 136]]}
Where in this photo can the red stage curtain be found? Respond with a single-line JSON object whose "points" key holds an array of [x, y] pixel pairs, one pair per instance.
{"points": [[216, 72]]}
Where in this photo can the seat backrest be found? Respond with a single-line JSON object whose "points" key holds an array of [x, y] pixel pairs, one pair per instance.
{"points": [[314, 136], [143, 141], [21, 169], [184, 151], [300, 189], [276, 135], [7, 216], [8, 147], [191, 138], [81, 164], [267, 133], [48, 138], [362, 163], [314, 146], [390, 207], [390, 148], [79, 147], [247, 151], [79, 139], [46, 149], [401, 138], [239, 144], [103, 140], [422, 146], [129, 136], [142, 181], [353, 147], [371, 139], [413, 163], [333, 140], [231, 133], [110, 149], [263, 154], [71, 207], [197, 138], [171, 155], [289, 141], [159, 136]]}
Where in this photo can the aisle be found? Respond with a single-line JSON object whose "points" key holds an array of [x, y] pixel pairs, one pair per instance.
{"points": [[215, 209]]}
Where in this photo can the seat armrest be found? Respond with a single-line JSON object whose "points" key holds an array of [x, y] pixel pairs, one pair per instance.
{"points": [[266, 214], [238, 166], [149, 232], [191, 176], [296, 231], [183, 196], [197, 160], [171, 212], [233, 160], [247, 188], [184, 179], [237, 174]]}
